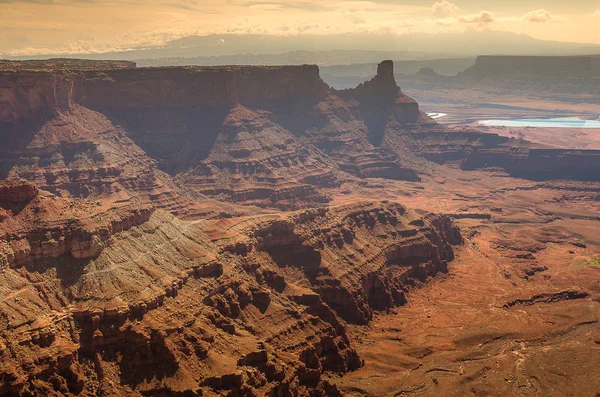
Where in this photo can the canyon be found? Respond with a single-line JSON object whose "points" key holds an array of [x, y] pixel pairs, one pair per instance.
{"points": [[249, 230]]}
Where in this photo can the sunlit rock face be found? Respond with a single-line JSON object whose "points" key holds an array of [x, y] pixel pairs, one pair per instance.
{"points": [[214, 231], [270, 136]]}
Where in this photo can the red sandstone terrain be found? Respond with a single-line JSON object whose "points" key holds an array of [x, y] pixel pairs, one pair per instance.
{"points": [[251, 231]]}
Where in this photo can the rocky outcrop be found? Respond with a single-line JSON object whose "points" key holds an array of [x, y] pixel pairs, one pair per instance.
{"points": [[270, 136], [23, 243], [382, 102], [256, 161], [160, 302], [77, 152], [17, 191], [538, 164], [473, 150], [340, 259], [547, 298]]}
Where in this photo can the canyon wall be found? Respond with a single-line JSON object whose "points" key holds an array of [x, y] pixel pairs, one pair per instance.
{"points": [[28, 93], [131, 301], [269, 136], [106, 290], [474, 150], [37, 94], [538, 164], [267, 87], [143, 250], [30, 97]]}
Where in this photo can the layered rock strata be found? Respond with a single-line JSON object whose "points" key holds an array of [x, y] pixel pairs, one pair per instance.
{"points": [[105, 289], [140, 303], [270, 136], [473, 150]]}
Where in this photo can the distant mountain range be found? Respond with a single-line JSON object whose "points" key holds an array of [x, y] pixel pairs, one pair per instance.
{"points": [[321, 58], [336, 49]]}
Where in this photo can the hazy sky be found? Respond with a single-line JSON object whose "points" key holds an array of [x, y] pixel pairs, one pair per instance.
{"points": [[84, 26]]}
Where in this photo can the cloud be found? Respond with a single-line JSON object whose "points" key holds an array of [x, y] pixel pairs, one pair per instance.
{"points": [[267, 6], [482, 18], [444, 21], [357, 20], [127, 42], [443, 8], [407, 23], [596, 13], [353, 6], [539, 16], [31, 1]]}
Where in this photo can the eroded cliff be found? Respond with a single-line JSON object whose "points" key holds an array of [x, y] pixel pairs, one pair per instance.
{"points": [[263, 135], [138, 302], [143, 247]]}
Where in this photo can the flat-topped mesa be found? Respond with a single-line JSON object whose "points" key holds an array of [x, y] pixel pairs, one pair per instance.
{"points": [[267, 87], [237, 132], [535, 66], [28, 94], [173, 95]]}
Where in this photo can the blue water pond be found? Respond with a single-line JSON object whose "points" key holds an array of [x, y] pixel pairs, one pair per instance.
{"points": [[543, 123]]}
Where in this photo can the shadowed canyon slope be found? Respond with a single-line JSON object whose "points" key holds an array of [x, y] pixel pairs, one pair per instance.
{"points": [[251, 231], [248, 134], [135, 299], [263, 135]]}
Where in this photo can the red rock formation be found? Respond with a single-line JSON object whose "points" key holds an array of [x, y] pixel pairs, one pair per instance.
{"points": [[256, 135], [17, 191], [106, 290], [381, 99], [98, 293], [478, 150], [59, 228], [187, 118], [352, 273], [131, 302], [255, 160], [276, 87]]}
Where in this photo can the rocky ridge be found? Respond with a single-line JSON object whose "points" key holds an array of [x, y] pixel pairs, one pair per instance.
{"points": [[144, 250], [103, 304], [248, 134], [267, 136]]}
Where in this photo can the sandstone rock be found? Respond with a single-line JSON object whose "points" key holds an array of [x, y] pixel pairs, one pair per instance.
{"points": [[17, 191], [107, 290], [254, 359]]}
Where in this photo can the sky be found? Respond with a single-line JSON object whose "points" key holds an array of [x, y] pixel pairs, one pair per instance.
{"points": [[29, 27]]}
